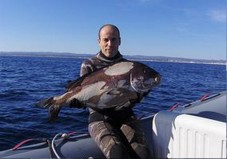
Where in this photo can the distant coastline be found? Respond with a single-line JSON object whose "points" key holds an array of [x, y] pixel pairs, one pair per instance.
{"points": [[132, 57]]}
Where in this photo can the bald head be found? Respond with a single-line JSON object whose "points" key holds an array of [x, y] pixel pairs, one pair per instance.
{"points": [[110, 26], [109, 40]]}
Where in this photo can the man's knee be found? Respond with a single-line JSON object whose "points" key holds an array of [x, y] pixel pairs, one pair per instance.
{"points": [[143, 152], [119, 152]]}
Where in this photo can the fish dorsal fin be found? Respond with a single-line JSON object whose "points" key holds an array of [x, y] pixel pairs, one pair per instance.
{"points": [[74, 83]]}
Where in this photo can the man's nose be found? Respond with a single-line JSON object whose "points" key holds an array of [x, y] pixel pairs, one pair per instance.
{"points": [[110, 43]]}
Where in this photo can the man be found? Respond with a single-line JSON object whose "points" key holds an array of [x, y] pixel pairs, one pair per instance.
{"points": [[117, 133]]}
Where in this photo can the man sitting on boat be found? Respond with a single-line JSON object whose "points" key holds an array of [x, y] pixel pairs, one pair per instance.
{"points": [[117, 133]]}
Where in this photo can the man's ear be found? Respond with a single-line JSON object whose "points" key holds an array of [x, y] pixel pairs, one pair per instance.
{"points": [[119, 41], [99, 40]]}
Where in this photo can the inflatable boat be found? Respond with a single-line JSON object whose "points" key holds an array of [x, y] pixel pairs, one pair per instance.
{"points": [[194, 130]]}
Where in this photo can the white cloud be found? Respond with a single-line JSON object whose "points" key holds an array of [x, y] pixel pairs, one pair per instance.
{"points": [[217, 15]]}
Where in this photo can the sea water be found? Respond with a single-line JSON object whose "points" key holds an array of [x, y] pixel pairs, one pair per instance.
{"points": [[26, 80]]}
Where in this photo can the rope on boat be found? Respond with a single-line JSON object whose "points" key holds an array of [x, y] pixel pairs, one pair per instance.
{"points": [[53, 146], [208, 96], [174, 106], [204, 97], [26, 141], [50, 149], [64, 136], [201, 99]]}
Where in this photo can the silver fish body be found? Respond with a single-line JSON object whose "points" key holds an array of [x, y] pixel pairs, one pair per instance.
{"points": [[116, 86]]}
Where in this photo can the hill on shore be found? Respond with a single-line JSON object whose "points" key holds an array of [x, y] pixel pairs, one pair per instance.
{"points": [[132, 57]]}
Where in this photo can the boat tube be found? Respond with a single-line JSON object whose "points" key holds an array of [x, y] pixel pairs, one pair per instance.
{"points": [[194, 130]]}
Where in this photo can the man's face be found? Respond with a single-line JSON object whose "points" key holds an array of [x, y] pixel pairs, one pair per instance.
{"points": [[109, 41]]}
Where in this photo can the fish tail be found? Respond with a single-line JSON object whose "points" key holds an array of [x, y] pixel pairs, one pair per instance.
{"points": [[45, 103], [53, 108], [53, 112]]}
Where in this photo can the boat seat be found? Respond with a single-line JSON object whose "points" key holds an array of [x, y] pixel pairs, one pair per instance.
{"points": [[178, 135]]}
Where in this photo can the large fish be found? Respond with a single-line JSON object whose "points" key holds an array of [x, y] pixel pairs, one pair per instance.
{"points": [[115, 86]]}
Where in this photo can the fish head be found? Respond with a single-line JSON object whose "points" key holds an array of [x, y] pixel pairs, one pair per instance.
{"points": [[144, 78]]}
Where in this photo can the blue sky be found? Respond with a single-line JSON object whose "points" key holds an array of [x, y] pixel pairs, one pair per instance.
{"points": [[175, 28]]}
